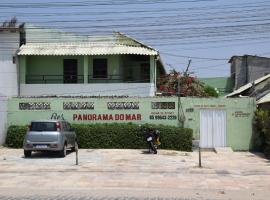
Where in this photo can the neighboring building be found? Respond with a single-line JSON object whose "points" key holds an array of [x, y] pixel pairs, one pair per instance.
{"points": [[223, 85], [264, 102], [248, 68], [54, 63], [258, 89], [9, 43]]}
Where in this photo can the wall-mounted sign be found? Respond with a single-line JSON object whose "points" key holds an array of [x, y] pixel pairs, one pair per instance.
{"points": [[78, 105], [107, 117], [190, 110], [163, 105], [210, 106], [163, 116], [123, 105], [241, 114], [35, 106]]}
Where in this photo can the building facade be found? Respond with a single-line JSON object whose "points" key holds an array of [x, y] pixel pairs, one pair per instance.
{"points": [[63, 64], [248, 68], [9, 44], [216, 122], [257, 89], [37, 61]]}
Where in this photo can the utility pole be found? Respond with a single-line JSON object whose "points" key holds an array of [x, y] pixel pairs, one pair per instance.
{"points": [[189, 61]]}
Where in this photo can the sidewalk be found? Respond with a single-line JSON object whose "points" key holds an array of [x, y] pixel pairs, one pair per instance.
{"points": [[133, 169]]}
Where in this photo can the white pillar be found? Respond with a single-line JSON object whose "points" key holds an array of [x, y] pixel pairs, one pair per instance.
{"points": [[85, 69]]}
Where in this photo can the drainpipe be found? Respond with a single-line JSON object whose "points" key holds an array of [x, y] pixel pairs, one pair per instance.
{"points": [[155, 75], [247, 70], [18, 74]]}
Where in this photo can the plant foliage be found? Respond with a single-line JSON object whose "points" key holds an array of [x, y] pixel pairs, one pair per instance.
{"points": [[262, 123], [115, 136], [176, 83]]}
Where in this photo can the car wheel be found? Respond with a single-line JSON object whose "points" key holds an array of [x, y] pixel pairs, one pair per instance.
{"points": [[63, 152], [27, 154]]}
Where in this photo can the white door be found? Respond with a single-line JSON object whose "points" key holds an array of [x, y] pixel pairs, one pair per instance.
{"points": [[212, 128]]}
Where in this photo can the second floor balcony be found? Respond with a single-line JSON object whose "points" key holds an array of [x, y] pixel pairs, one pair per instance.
{"points": [[79, 79]]}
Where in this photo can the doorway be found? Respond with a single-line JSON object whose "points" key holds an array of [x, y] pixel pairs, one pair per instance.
{"points": [[70, 71], [212, 128]]}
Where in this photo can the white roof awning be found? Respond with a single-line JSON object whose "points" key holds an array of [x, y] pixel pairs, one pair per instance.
{"points": [[247, 86], [61, 49], [265, 99]]}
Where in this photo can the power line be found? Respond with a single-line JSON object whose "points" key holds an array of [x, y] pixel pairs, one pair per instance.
{"points": [[200, 58]]}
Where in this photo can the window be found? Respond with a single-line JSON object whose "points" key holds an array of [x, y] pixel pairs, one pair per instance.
{"points": [[43, 126], [70, 70], [100, 68], [145, 72], [163, 105]]}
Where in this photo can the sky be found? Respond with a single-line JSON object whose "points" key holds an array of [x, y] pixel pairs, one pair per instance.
{"points": [[207, 32]]}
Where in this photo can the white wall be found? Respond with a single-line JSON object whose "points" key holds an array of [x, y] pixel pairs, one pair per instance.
{"points": [[111, 89], [9, 44]]}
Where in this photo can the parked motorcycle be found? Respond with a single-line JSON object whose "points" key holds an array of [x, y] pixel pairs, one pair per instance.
{"points": [[152, 138]]}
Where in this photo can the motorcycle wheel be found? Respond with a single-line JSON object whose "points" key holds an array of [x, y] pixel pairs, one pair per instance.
{"points": [[153, 147]]}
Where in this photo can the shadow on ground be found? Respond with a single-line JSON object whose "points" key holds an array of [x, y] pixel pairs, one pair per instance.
{"points": [[46, 154]]}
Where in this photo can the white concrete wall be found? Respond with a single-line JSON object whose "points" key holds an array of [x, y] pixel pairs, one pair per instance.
{"points": [[9, 44], [111, 89]]}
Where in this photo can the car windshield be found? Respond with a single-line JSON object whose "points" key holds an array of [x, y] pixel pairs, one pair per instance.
{"points": [[43, 126]]}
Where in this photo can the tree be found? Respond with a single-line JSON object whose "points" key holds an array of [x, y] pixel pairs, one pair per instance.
{"points": [[176, 83]]}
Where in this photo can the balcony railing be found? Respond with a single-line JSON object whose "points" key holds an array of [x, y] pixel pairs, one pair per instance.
{"points": [[66, 79], [44, 79]]}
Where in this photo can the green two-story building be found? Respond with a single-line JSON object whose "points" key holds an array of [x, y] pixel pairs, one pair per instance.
{"points": [[55, 63]]}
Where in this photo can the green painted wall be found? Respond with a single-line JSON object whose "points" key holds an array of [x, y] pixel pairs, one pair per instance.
{"points": [[48, 65], [239, 112], [22, 69], [223, 84], [118, 66]]}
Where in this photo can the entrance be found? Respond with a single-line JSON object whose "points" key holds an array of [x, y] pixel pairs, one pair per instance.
{"points": [[70, 71], [212, 128]]}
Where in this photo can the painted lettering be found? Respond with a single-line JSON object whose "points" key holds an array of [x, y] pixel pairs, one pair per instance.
{"points": [[56, 116], [111, 117], [105, 117], [128, 116]]}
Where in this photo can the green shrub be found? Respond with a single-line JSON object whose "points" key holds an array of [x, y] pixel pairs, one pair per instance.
{"points": [[262, 125], [210, 91], [15, 135], [116, 136]]}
